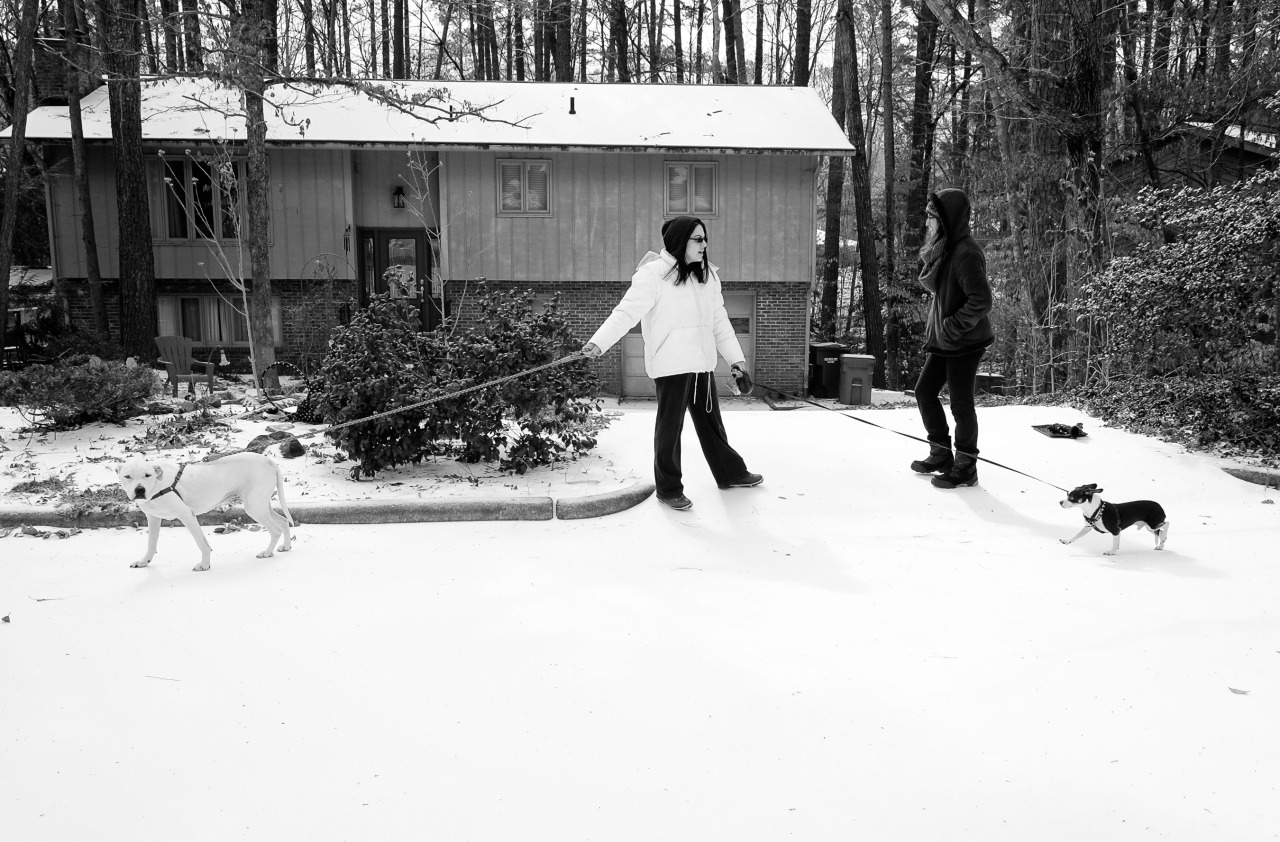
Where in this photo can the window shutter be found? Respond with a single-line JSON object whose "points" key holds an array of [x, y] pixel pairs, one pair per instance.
{"points": [[511, 188], [704, 189], [538, 198]]}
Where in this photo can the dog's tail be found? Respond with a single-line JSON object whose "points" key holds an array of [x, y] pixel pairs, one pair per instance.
{"points": [[284, 507]]}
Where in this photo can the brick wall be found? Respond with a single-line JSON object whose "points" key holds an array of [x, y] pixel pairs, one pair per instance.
{"points": [[781, 319]]}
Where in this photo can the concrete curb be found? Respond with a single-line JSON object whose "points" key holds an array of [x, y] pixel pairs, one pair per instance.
{"points": [[363, 511], [1269, 478], [597, 505]]}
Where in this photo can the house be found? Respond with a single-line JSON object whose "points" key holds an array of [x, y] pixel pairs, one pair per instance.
{"points": [[1200, 154], [421, 188]]}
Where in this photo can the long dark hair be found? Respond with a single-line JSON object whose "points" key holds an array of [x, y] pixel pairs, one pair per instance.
{"points": [[675, 239]]}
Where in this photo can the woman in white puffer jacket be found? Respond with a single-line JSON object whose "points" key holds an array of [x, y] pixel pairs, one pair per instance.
{"points": [[676, 298]]}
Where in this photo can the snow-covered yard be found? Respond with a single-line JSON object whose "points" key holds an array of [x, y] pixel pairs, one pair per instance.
{"points": [[842, 653]]}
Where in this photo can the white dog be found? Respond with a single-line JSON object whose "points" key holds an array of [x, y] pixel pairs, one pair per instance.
{"points": [[165, 491]]}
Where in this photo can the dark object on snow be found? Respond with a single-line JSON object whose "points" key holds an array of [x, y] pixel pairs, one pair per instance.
{"points": [[1061, 431], [740, 383], [306, 411], [292, 448]]}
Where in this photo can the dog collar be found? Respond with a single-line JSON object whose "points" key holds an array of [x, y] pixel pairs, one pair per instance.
{"points": [[173, 487]]}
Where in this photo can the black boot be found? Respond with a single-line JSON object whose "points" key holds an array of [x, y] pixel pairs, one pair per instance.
{"points": [[939, 460], [962, 474]]}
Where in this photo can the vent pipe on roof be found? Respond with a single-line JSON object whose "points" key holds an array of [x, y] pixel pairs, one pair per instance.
{"points": [[571, 111]]}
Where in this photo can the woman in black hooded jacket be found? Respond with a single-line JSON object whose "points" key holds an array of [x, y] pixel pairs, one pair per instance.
{"points": [[958, 331]]}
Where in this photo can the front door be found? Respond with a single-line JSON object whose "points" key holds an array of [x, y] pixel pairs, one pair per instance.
{"points": [[398, 261]]}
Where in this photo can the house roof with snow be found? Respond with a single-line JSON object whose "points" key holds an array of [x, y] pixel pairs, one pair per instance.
{"points": [[478, 115]]}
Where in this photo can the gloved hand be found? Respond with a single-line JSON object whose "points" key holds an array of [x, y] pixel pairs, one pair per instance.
{"points": [[590, 349], [741, 379]]}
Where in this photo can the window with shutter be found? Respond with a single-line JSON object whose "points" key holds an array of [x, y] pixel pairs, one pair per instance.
{"points": [[691, 189], [524, 188]]}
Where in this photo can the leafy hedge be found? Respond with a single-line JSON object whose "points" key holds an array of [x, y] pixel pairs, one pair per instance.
{"points": [[380, 361], [79, 391], [1238, 414]]}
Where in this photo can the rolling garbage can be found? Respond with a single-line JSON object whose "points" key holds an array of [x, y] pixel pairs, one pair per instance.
{"points": [[824, 368], [856, 372]]}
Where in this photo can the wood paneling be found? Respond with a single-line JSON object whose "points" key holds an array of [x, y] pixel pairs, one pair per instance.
{"points": [[608, 211]]}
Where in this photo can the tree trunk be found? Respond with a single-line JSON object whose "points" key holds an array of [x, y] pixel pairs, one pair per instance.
{"points": [[88, 235], [860, 181], [137, 268], [191, 36], [562, 12], [759, 74], [397, 39], [258, 194], [831, 240], [309, 39], [716, 76], [169, 22], [21, 59], [892, 373], [619, 36], [804, 33], [678, 46]]}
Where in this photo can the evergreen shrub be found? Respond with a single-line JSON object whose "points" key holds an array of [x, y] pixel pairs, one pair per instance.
{"points": [[381, 361], [77, 391]]}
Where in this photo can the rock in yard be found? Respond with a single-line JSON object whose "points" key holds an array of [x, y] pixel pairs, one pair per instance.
{"points": [[292, 448]]}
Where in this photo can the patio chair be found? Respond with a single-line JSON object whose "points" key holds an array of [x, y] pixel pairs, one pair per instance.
{"points": [[179, 361]]}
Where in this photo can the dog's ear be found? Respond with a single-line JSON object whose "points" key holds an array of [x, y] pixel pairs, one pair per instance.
{"points": [[1097, 490]]}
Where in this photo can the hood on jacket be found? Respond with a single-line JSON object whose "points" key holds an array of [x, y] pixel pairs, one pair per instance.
{"points": [[953, 211]]}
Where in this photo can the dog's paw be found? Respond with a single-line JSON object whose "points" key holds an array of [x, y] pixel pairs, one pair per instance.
{"points": [[142, 563], [1109, 552], [1064, 540], [266, 554], [284, 548], [202, 566]]}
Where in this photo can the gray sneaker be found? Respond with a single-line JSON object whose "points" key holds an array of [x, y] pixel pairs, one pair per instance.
{"points": [[679, 502], [745, 481]]}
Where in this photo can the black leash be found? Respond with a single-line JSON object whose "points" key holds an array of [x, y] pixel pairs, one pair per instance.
{"points": [[907, 435]]}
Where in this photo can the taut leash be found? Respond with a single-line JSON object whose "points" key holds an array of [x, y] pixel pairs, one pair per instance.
{"points": [[448, 396], [907, 435]]}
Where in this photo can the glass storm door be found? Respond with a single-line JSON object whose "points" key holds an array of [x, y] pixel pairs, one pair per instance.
{"points": [[398, 261]]}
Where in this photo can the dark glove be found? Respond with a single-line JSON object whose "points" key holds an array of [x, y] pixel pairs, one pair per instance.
{"points": [[741, 381]]}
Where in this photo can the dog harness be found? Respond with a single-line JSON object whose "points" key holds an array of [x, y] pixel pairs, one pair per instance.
{"points": [[1110, 524], [173, 487]]}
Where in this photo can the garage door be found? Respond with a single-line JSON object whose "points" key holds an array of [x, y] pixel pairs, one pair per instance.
{"points": [[741, 307]]}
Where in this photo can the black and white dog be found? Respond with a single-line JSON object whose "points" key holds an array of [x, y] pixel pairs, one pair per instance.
{"points": [[1115, 517]]}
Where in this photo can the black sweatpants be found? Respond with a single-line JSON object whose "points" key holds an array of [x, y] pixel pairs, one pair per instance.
{"points": [[960, 375], [695, 394]]}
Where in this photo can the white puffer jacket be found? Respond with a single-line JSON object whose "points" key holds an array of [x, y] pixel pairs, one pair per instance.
{"points": [[683, 326]]}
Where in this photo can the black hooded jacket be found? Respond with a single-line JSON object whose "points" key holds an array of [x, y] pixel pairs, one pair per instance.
{"points": [[958, 322]]}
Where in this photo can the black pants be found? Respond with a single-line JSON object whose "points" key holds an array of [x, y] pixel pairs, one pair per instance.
{"points": [[696, 394], [960, 375]]}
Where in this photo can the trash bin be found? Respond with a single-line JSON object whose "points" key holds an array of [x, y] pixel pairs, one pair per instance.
{"points": [[856, 372], [992, 384], [824, 368]]}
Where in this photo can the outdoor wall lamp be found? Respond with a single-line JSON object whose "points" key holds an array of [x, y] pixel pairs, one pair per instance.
{"points": [[397, 198]]}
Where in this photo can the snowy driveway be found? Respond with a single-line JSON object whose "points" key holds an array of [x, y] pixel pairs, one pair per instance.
{"points": [[842, 653]]}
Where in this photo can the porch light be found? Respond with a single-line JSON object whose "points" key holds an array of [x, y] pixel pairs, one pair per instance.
{"points": [[397, 198]]}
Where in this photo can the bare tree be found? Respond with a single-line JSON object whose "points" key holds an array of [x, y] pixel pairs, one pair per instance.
{"points": [[121, 37], [860, 181], [88, 235], [804, 32], [17, 152]]}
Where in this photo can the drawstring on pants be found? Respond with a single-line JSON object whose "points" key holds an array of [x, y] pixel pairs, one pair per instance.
{"points": [[696, 377]]}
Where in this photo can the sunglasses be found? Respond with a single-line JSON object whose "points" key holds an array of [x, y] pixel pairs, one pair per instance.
{"points": [[700, 240]]}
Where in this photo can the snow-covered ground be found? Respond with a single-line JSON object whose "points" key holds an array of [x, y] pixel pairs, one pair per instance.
{"points": [[842, 653]]}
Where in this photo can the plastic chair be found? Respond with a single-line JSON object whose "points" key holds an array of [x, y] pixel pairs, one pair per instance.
{"points": [[179, 361]]}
